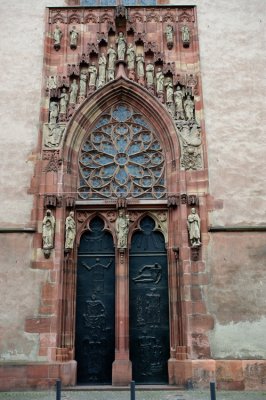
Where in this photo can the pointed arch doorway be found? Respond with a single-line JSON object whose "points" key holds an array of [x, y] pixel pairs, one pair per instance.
{"points": [[126, 157]]}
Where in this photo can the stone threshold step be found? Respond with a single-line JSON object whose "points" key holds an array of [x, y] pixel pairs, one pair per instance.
{"points": [[110, 388]]}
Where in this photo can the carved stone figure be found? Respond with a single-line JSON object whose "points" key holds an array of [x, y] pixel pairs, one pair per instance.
{"points": [[122, 228], [191, 147], [102, 71], [169, 91], [193, 224], [111, 53], [53, 112], [51, 82], [73, 92], [83, 83], [159, 81], [185, 36], [150, 74], [179, 110], [169, 36], [93, 74], [48, 227], [130, 56], [57, 36], [110, 75], [140, 65], [73, 38], [121, 46], [70, 231], [63, 101], [189, 108], [53, 135]]}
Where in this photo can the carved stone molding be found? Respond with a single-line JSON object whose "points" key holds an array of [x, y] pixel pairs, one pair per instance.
{"points": [[193, 200], [195, 252], [63, 81], [73, 69], [54, 160], [92, 48], [70, 201], [173, 201], [50, 200]]}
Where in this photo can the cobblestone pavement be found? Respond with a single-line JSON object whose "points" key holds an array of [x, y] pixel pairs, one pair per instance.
{"points": [[140, 395]]}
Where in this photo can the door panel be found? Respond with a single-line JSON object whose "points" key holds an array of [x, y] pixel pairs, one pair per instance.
{"points": [[149, 306], [95, 316]]}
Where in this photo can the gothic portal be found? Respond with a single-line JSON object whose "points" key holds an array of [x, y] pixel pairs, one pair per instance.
{"points": [[122, 186]]}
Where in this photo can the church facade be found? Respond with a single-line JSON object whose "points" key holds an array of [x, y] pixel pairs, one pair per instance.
{"points": [[135, 257]]}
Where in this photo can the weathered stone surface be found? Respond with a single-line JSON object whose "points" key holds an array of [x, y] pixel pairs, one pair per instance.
{"points": [[20, 293], [236, 294]]}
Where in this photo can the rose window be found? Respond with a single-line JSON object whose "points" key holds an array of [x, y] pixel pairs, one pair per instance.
{"points": [[121, 157]]}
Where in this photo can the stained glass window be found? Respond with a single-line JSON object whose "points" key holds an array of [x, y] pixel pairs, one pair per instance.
{"points": [[121, 157]]}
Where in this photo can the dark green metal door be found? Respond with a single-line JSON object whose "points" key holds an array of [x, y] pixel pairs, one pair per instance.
{"points": [[95, 316], [149, 306]]}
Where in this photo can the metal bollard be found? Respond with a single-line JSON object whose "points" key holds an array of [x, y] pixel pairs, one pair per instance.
{"points": [[212, 389], [58, 389], [132, 390]]}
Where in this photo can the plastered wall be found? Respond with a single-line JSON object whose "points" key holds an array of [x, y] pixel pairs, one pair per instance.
{"points": [[236, 295]]}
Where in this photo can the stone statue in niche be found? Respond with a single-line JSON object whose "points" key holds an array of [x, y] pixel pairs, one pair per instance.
{"points": [[48, 228], [189, 108], [63, 102], [169, 91], [111, 53], [150, 74], [179, 109], [53, 135], [70, 231], [185, 35], [169, 36], [93, 74], [83, 83], [193, 224], [122, 228], [130, 56], [191, 147], [73, 92], [170, 96], [73, 38], [53, 109], [102, 71], [159, 80], [140, 65], [57, 36], [121, 46]]}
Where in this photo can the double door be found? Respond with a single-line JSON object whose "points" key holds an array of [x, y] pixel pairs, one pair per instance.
{"points": [[148, 305]]}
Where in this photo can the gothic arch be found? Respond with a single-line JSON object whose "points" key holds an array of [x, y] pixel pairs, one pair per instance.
{"points": [[132, 94], [84, 226], [160, 220]]}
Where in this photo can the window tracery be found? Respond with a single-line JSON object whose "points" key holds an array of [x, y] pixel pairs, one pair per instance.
{"points": [[121, 157]]}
